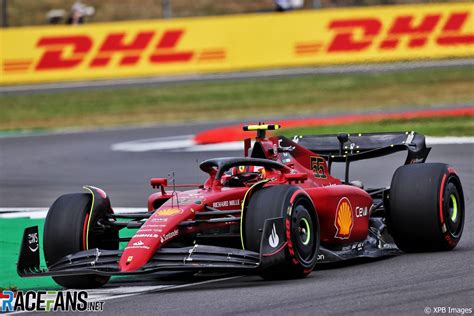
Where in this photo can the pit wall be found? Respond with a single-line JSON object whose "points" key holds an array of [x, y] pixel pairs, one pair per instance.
{"points": [[236, 43]]}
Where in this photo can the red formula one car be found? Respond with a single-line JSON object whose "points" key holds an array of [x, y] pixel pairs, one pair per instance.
{"points": [[277, 212]]}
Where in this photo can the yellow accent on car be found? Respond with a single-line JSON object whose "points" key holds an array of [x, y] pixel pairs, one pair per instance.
{"points": [[90, 215], [242, 208], [169, 211], [262, 127]]}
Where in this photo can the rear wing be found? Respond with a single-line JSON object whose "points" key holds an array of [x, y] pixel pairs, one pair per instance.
{"points": [[353, 147]]}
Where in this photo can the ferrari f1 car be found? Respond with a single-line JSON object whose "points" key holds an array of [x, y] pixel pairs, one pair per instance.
{"points": [[276, 212]]}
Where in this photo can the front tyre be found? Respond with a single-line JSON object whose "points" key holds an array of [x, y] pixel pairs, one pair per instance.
{"points": [[69, 228], [426, 207], [301, 229]]}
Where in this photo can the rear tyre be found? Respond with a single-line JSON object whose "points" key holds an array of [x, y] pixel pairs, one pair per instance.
{"points": [[426, 208], [302, 228], [69, 228]]}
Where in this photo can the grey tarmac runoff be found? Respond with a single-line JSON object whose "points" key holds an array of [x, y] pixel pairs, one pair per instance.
{"points": [[36, 169]]}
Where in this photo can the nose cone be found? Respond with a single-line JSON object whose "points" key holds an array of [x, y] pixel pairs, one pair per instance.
{"points": [[140, 249], [159, 229], [133, 259], [127, 264]]}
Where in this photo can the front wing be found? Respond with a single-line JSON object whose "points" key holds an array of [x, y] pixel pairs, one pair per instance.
{"points": [[197, 257], [105, 262]]}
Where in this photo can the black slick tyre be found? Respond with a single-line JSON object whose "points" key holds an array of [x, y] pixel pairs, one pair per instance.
{"points": [[69, 228], [301, 224], [425, 207]]}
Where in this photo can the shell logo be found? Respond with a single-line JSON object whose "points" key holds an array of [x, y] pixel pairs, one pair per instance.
{"points": [[344, 219], [169, 211]]}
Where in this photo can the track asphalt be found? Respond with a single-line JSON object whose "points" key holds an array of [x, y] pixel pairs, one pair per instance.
{"points": [[34, 170]]}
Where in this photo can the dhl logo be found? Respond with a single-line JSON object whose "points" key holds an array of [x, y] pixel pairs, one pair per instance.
{"points": [[148, 48], [361, 34], [68, 52]]}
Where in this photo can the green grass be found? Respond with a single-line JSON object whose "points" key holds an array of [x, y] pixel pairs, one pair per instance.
{"points": [[456, 126], [253, 98]]}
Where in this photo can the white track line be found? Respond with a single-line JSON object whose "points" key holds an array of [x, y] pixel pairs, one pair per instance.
{"points": [[229, 146], [155, 289], [40, 212], [161, 143], [106, 294], [449, 140]]}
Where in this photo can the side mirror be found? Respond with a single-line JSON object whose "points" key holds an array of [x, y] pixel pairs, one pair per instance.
{"points": [[159, 182]]}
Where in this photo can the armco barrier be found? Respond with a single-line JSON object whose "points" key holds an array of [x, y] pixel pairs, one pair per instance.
{"points": [[253, 41]]}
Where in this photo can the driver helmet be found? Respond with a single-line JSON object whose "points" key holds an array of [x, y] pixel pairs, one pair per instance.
{"points": [[245, 169]]}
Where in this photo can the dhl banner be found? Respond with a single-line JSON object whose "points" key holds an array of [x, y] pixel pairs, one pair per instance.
{"points": [[233, 43]]}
